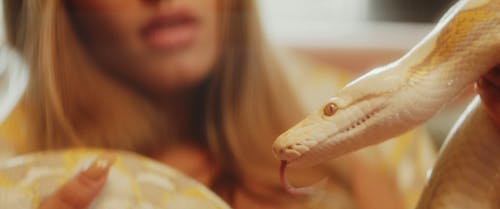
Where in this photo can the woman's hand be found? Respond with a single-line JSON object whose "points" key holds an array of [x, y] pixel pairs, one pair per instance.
{"points": [[489, 90], [79, 192]]}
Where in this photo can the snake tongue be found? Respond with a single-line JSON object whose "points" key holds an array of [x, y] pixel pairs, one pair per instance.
{"points": [[308, 190]]}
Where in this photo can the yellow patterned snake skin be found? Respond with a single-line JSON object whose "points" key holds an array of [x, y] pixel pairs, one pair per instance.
{"points": [[134, 182], [390, 100]]}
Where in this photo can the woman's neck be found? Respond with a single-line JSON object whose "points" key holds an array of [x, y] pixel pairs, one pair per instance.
{"points": [[184, 111]]}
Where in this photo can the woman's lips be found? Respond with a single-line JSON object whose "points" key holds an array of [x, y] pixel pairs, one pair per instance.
{"points": [[170, 31]]}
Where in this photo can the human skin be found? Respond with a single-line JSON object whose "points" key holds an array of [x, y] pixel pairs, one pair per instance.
{"points": [[161, 46]]}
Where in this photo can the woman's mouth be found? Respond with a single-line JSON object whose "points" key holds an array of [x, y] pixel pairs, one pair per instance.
{"points": [[170, 31]]}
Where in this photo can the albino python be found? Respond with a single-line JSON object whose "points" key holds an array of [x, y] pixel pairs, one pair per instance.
{"points": [[382, 104], [134, 182], [389, 100]]}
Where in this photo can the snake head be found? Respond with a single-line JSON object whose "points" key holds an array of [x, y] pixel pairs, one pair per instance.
{"points": [[358, 116], [330, 131], [305, 135]]}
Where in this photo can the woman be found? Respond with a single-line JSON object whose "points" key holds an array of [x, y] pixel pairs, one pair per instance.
{"points": [[190, 83], [190, 80]]}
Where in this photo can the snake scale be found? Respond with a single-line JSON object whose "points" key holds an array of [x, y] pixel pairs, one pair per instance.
{"points": [[134, 182], [385, 102], [389, 100]]}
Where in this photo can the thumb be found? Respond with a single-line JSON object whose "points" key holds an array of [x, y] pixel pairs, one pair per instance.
{"points": [[81, 190]]}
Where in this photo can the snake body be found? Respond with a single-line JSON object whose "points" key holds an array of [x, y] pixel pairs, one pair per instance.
{"points": [[467, 172], [381, 104], [134, 182], [389, 100]]}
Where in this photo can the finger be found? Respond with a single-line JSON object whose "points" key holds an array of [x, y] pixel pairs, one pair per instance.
{"points": [[79, 192], [490, 96]]}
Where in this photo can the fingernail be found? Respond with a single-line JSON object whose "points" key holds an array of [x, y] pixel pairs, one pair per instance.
{"points": [[100, 166]]}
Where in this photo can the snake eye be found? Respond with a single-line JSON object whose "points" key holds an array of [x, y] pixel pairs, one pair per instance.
{"points": [[330, 109]]}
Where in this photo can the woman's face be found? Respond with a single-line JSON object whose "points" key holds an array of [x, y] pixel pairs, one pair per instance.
{"points": [[162, 46]]}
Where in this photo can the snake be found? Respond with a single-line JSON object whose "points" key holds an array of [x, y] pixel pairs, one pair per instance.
{"points": [[389, 100], [134, 181], [379, 105]]}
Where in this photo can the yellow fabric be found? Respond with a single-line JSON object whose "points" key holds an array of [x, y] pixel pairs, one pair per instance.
{"points": [[12, 130]]}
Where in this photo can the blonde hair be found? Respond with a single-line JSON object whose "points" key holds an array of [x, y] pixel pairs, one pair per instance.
{"points": [[69, 102]]}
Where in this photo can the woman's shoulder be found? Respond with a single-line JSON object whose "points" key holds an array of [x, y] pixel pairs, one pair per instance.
{"points": [[312, 80], [12, 133]]}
